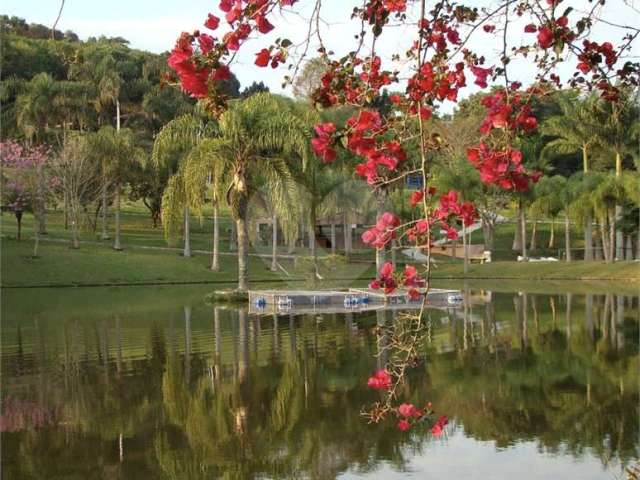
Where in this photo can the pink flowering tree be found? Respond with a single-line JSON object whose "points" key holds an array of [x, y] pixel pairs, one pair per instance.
{"points": [[25, 181], [449, 51]]}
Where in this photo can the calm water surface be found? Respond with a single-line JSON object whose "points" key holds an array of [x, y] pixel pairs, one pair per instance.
{"points": [[152, 383]]}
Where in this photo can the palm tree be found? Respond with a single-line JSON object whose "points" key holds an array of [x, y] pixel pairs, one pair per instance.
{"points": [[35, 117], [548, 202], [618, 133], [257, 138], [574, 130], [115, 150], [195, 175], [171, 147]]}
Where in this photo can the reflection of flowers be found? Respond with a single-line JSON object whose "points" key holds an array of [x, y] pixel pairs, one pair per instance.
{"points": [[381, 380], [22, 414]]}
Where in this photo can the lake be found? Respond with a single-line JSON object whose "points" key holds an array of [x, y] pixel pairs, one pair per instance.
{"points": [[153, 383]]}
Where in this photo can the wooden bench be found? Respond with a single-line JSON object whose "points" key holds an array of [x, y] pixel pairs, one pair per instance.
{"points": [[476, 252]]}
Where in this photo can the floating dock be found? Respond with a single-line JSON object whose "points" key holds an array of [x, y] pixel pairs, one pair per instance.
{"points": [[337, 301]]}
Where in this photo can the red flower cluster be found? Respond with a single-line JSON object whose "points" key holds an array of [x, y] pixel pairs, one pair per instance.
{"points": [[507, 113], [193, 78], [438, 428], [481, 75], [363, 138], [416, 197], [376, 12], [323, 144], [383, 231], [389, 281], [352, 80], [552, 33], [503, 168], [266, 56], [592, 54], [435, 82], [407, 412], [381, 380], [450, 210], [386, 280]]}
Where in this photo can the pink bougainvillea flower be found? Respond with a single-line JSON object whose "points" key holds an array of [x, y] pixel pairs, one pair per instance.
{"points": [[407, 410], [403, 425], [212, 22], [381, 380], [263, 57]]}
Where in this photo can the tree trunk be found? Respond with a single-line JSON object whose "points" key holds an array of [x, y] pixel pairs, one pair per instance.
{"points": [[186, 252], [233, 239], [75, 241], [465, 243], [116, 242], [552, 236], [619, 255], [604, 238], [333, 238], [628, 250], [534, 231], [487, 233], [638, 239], [66, 211], [588, 239], [18, 215], [567, 237], [612, 234], [597, 246], [105, 233], [215, 261], [41, 207], [517, 237], [36, 242], [274, 244], [523, 226], [243, 254], [345, 234]]}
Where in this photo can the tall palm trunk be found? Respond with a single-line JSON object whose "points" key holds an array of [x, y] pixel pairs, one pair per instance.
{"points": [[612, 233], [312, 239], [186, 252], [465, 245], [233, 239], [274, 244], [604, 238], [534, 231], [523, 226], [215, 262], [588, 233], [517, 237], [345, 233], [552, 236], [116, 242], [588, 239], [619, 255], [243, 254], [18, 215], [567, 236], [333, 238], [40, 203], [105, 205]]}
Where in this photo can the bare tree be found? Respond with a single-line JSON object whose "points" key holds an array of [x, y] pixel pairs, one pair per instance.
{"points": [[78, 180]]}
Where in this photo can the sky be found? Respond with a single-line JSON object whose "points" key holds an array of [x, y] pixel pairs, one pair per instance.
{"points": [[154, 25]]}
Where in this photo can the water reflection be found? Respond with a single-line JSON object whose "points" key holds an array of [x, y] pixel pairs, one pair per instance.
{"points": [[194, 391]]}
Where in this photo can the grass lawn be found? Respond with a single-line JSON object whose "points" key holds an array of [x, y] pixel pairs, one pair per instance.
{"points": [[95, 263]]}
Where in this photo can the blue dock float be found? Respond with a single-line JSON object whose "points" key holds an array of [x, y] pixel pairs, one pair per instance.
{"points": [[335, 301]]}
